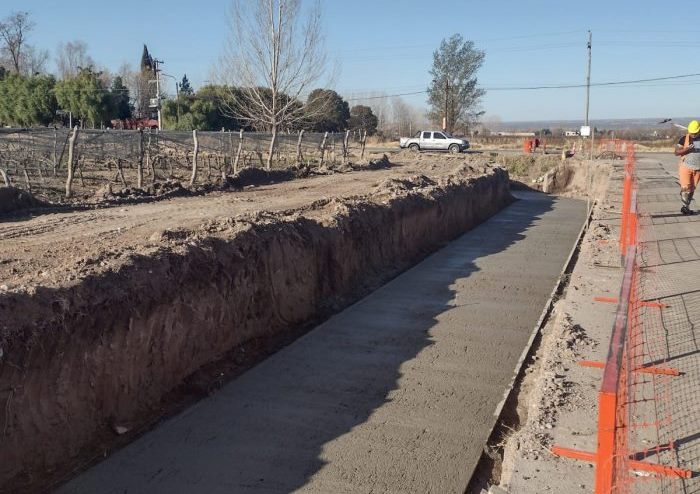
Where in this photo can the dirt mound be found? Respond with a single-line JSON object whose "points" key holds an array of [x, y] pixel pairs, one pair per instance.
{"points": [[167, 188], [13, 199], [259, 176], [398, 186], [378, 164]]}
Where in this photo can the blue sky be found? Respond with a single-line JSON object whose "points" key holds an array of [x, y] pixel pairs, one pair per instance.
{"points": [[387, 46]]}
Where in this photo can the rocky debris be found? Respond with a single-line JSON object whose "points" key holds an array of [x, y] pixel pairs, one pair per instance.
{"points": [[398, 186], [166, 188], [553, 393]]}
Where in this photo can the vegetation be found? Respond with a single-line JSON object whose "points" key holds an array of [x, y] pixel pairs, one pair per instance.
{"points": [[85, 97], [453, 93], [327, 110], [27, 101], [262, 92], [362, 118]]}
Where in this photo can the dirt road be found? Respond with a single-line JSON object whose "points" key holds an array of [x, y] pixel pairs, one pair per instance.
{"points": [[395, 394], [54, 249]]}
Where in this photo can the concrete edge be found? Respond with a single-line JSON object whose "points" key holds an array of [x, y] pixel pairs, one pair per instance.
{"points": [[544, 317]]}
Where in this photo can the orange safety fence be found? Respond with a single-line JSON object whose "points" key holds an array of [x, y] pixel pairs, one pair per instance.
{"points": [[636, 448]]}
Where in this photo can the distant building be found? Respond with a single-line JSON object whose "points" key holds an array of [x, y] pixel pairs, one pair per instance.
{"points": [[515, 134]]}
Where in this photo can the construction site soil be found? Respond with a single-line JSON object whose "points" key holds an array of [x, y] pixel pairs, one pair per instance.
{"points": [[105, 312]]}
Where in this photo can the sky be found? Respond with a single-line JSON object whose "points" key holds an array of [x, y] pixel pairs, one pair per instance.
{"points": [[383, 46]]}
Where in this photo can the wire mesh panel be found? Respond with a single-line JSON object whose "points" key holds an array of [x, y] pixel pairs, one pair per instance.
{"points": [[38, 159]]}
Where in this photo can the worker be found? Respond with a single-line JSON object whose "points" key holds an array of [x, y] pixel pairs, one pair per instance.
{"points": [[689, 166]]}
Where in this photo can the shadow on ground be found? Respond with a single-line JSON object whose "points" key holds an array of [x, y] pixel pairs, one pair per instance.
{"points": [[272, 429]]}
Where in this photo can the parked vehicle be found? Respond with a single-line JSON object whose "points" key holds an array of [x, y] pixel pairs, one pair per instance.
{"points": [[434, 140]]}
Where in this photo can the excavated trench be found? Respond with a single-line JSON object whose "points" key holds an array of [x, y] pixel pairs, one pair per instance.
{"points": [[79, 361]]}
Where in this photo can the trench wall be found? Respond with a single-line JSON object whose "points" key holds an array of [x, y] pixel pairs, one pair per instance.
{"points": [[76, 361]]}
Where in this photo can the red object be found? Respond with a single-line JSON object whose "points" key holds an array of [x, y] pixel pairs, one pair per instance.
{"points": [[135, 124]]}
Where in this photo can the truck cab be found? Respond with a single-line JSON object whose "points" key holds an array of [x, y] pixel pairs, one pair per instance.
{"points": [[434, 140]]}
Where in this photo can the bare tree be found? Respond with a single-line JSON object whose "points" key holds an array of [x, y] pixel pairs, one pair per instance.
{"points": [[34, 61], [72, 56], [273, 57], [13, 34]]}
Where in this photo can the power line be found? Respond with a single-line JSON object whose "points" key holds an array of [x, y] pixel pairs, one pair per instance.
{"points": [[533, 88]]}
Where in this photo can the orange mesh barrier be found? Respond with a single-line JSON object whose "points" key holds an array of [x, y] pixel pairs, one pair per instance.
{"points": [[648, 411]]}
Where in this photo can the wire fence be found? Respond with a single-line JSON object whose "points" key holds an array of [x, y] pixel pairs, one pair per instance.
{"points": [[59, 164], [648, 403]]}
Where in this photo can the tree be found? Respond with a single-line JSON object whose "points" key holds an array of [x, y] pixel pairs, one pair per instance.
{"points": [[453, 93], [142, 91], [204, 110], [147, 64], [85, 96], [185, 87], [13, 32], [71, 57], [273, 57], [362, 118], [27, 101], [327, 110], [34, 61], [120, 99]]}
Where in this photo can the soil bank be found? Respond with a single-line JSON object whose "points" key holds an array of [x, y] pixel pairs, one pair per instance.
{"points": [[79, 360]]}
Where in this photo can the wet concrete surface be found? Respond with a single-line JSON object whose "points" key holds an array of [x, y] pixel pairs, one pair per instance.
{"points": [[397, 393]]}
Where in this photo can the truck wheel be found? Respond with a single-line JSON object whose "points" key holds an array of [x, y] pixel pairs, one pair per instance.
{"points": [[454, 148], [414, 147]]}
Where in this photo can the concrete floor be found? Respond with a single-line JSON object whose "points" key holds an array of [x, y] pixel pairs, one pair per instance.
{"points": [[395, 394]]}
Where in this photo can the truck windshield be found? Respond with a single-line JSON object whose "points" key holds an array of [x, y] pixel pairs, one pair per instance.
{"points": [[417, 135], [448, 134]]}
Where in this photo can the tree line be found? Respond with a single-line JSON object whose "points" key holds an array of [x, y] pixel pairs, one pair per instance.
{"points": [[95, 102], [270, 71]]}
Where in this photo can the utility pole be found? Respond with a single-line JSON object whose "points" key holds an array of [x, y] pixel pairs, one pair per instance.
{"points": [[156, 70], [447, 91], [588, 76]]}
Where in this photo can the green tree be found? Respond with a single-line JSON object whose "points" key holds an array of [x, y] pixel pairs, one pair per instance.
{"points": [[26, 101], [327, 111], [453, 92], [186, 87], [205, 110], [85, 96], [362, 118], [120, 99], [146, 60]]}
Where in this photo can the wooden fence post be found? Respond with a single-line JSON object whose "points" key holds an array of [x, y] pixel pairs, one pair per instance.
{"points": [[55, 154], [363, 141], [323, 147], [71, 153], [120, 172], [5, 177], [139, 165], [273, 142], [299, 155], [238, 152], [345, 145], [194, 157], [223, 169]]}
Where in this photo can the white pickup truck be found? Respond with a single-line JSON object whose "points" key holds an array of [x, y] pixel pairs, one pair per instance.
{"points": [[434, 140]]}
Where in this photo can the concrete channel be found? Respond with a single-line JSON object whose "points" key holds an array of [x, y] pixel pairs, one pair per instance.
{"points": [[397, 393]]}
